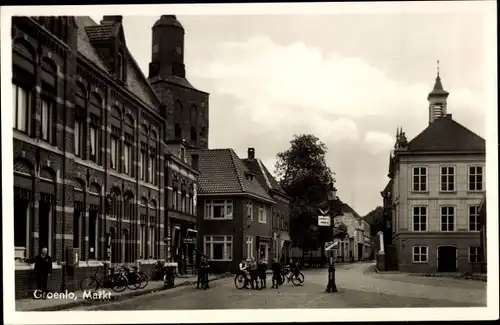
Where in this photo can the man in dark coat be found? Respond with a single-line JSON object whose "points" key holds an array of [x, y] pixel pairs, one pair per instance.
{"points": [[276, 267], [43, 268], [262, 268], [203, 273]]}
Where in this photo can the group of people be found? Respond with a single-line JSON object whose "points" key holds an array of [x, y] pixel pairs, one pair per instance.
{"points": [[255, 273]]}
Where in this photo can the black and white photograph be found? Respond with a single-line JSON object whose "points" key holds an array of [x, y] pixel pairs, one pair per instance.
{"points": [[249, 162]]}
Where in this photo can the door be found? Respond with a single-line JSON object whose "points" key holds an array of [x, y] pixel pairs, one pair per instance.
{"points": [[447, 259], [360, 252]]}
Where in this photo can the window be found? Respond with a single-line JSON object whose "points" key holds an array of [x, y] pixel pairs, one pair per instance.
{"points": [[219, 248], [142, 165], [93, 143], [183, 202], [262, 214], [46, 117], [191, 205], [447, 179], [22, 103], [152, 170], [447, 218], [78, 137], [120, 67], [474, 254], [420, 254], [419, 218], [22, 211], [142, 241], [126, 158], [475, 178], [419, 179], [474, 218], [77, 218], [249, 208], [114, 153], [151, 242], [93, 242], [219, 209], [249, 246], [174, 199]]}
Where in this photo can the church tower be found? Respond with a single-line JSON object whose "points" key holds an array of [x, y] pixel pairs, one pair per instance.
{"points": [[437, 100], [185, 108]]}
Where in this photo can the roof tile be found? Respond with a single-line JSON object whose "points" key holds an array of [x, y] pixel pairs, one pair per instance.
{"points": [[222, 171]]}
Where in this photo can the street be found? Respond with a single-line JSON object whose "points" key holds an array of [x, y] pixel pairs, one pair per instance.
{"points": [[358, 285]]}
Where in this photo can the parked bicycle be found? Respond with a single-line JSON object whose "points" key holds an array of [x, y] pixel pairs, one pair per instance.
{"points": [[143, 276], [287, 275], [116, 281], [133, 278]]}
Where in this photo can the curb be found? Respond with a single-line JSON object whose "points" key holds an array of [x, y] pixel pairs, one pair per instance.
{"points": [[124, 296]]}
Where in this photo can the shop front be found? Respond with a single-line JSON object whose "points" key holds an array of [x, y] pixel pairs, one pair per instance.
{"points": [[183, 245]]}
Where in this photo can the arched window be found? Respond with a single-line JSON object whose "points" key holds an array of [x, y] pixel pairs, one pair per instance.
{"points": [[152, 245], [80, 116], [129, 120], [23, 208], [49, 100], [23, 82], [79, 216], [126, 258], [178, 118], [114, 245], [94, 200], [46, 210]]}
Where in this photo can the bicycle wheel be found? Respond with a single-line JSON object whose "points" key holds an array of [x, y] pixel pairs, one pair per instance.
{"points": [[283, 279], [120, 283], [144, 280], [134, 281], [298, 279], [89, 283], [239, 281]]}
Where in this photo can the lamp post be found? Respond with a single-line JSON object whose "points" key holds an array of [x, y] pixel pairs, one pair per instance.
{"points": [[332, 200]]}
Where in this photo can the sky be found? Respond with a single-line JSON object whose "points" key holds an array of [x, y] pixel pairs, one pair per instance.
{"points": [[349, 79]]}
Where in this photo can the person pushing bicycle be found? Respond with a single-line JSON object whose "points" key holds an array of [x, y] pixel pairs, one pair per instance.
{"points": [[203, 273]]}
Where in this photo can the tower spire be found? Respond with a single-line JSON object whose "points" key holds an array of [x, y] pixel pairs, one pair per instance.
{"points": [[437, 98], [438, 68]]}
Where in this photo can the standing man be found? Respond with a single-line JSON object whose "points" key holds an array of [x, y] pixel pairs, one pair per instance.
{"points": [[43, 268], [276, 267], [254, 274]]}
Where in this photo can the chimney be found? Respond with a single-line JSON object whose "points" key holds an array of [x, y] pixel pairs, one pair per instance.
{"points": [[195, 161], [111, 20], [448, 116], [251, 153]]}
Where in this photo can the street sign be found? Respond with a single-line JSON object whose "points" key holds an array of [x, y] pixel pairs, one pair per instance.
{"points": [[324, 221], [330, 245]]}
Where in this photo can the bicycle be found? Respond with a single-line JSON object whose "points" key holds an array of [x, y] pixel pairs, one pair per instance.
{"points": [[297, 277], [133, 278], [143, 277], [116, 281], [241, 280]]}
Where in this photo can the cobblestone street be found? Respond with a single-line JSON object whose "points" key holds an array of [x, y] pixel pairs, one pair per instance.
{"points": [[358, 287]]}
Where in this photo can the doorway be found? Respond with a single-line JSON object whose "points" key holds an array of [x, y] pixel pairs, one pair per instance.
{"points": [[360, 252], [447, 258]]}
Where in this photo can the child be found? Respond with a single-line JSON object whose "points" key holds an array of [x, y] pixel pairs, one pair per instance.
{"points": [[262, 273], [276, 268]]}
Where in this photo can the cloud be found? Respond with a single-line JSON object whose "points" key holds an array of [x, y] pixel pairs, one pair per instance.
{"points": [[378, 142]]}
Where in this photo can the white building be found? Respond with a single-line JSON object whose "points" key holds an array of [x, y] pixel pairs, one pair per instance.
{"points": [[353, 244]]}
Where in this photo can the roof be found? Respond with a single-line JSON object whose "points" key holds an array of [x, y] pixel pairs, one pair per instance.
{"points": [[222, 172], [175, 80], [136, 81], [447, 135], [347, 208], [387, 188], [266, 180], [168, 20], [438, 89]]}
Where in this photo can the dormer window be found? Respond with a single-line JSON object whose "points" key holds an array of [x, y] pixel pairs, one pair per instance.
{"points": [[121, 67], [249, 176]]}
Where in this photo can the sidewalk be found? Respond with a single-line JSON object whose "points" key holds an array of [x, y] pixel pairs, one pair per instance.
{"points": [[70, 302], [461, 276]]}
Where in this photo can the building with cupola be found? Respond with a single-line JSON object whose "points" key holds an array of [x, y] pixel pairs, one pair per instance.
{"points": [[433, 196]]}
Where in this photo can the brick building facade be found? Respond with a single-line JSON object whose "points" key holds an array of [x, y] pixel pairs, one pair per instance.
{"points": [[90, 151]]}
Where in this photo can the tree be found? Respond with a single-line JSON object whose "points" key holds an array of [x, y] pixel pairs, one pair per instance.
{"points": [[304, 176], [376, 220]]}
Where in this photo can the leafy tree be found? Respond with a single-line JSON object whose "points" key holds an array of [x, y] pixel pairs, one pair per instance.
{"points": [[376, 220], [304, 176]]}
